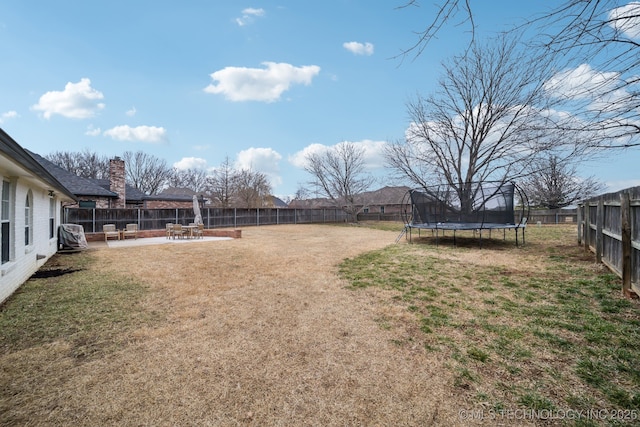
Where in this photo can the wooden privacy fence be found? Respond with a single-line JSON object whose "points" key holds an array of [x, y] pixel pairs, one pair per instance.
{"points": [[92, 219], [609, 226]]}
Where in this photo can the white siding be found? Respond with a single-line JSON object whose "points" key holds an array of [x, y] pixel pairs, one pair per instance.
{"points": [[26, 260]]}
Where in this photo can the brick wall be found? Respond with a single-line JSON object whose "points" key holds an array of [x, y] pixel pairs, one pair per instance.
{"points": [[167, 204], [234, 234]]}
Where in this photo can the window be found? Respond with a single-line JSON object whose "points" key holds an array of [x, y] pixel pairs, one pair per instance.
{"points": [[381, 209], [91, 204], [5, 223], [52, 217], [365, 210], [28, 219]]}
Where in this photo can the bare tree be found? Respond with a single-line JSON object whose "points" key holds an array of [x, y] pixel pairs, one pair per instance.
{"points": [[220, 184], [146, 172], [252, 189], [598, 43], [86, 164], [595, 42], [555, 184], [485, 122], [193, 179], [340, 173], [301, 193]]}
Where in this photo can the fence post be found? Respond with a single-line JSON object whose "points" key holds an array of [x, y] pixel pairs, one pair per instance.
{"points": [[625, 214], [599, 226], [587, 226], [579, 220]]}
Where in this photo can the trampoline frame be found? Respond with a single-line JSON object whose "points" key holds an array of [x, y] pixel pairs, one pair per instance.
{"points": [[440, 219]]}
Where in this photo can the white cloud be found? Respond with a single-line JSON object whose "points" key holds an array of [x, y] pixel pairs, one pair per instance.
{"points": [[626, 19], [582, 82], [8, 115], [76, 101], [190, 163], [255, 84], [358, 48], [151, 134], [373, 153], [264, 160], [132, 112], [299, 159], [91, 131], [248, 16]]}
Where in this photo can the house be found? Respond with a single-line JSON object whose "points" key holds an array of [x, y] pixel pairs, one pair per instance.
{"points": [[30, 213], [113, 192], [386, 200]]}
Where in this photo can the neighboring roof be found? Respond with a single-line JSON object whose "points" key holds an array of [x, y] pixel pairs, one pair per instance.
{"points": [[177, 191], [278, 203], [174, 194], [132, 193], [87, 187], [75, 184], [14, 152], [382, 196]]}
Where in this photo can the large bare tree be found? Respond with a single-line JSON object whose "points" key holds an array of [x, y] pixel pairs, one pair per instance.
{"points": [[595, 43], [485, 122], [341, 175], [146, 172]]}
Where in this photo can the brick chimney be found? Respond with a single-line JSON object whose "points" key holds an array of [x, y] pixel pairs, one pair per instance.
{"points": [[117, 181]]}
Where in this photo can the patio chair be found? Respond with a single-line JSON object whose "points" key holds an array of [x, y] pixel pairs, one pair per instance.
{"points": [[131, 230], [169, 230], [110, 230], [177, 230], [198, 232]]}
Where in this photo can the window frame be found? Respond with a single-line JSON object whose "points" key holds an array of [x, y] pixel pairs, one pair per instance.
{"points": [[52, 217], [5, 222], [28, 219]]}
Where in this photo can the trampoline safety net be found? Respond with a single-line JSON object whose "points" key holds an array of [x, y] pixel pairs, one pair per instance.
{"points": [[486, 205]]}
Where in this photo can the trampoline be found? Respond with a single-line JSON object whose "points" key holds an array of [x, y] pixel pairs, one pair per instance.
{"points": [[477, 207]]}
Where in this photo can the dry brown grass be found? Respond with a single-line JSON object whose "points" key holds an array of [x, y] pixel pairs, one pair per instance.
{"points": [[258, 331], [263, 331]]}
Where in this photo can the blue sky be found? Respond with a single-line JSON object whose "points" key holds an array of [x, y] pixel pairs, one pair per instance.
{"points": [[261, 83]]}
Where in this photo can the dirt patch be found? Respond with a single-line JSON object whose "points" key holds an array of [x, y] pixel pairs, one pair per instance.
{"points": [[53, 272]]}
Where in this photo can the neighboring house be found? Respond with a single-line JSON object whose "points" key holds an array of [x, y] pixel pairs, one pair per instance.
{"points": [[113, 192], [384, 200], [30, 213]]}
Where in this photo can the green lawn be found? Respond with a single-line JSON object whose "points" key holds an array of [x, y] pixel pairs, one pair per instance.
{"points": [[553, 337]]}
